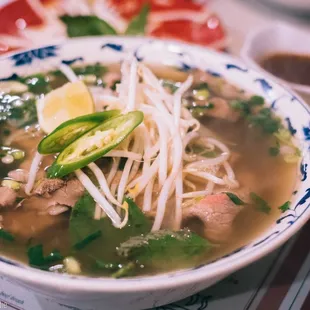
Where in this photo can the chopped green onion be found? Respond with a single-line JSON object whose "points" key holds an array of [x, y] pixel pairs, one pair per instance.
{"points": [[235, 199], [285, 207], [17, 154], [256, 101], [274, 151], [125, 271], [201, 94], [11, 184]]}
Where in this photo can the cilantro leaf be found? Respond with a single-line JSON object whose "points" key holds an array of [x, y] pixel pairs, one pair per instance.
{"points": [[138, 23], [260, 204], [265, 120], [81, 26], [285, 207], [235, 199], [256, 100]]}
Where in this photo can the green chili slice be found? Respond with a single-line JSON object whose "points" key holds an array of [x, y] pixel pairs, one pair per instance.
{"points": [[71, 130], [94, 144]]}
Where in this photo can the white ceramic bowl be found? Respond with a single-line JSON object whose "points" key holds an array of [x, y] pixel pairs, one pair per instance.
{"points": [[274, 38], [151, 291]]}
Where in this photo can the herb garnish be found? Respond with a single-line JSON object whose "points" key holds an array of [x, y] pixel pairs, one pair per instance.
{"points": [[138, 23], [260, 204], [36, 257], [5, 235], [163, 246], [274, 150], [84, 229], [285, 207], [235, 199], [124, 271], [80, 26]]}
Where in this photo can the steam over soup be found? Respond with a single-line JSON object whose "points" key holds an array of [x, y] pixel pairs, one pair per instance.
{"points": [[110, 171]]}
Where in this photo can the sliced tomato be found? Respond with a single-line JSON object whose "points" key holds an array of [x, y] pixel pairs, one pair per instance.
{"points": [[129, 8], [17, 15], [200, 33]]}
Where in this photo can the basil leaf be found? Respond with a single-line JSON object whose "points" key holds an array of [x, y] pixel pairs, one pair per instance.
{"points": [[35, 255], [81, 26], [138, 23], [163, 246], [84, 229], [260, 204], [235, 199]]}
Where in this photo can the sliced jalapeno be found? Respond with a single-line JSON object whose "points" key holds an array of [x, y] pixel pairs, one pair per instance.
{"points": [[71, 130], [94, 144]]}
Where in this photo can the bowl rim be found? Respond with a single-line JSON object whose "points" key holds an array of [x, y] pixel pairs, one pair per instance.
{"points": [[246, 56], [221, 268]]}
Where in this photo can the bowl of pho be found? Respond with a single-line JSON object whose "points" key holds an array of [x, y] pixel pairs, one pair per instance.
{"points": [[136, 172]]}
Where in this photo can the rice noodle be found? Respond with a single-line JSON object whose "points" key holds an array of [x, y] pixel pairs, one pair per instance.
{"points": [[125, 175], [124, 154], [35, 165], [113, 170], [206, 175]]}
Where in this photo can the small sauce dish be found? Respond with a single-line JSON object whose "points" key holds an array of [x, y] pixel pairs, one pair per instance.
{"points": [[275, 41]]}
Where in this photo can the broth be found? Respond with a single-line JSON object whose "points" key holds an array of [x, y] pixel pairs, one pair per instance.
{"points": [[251, 164]]}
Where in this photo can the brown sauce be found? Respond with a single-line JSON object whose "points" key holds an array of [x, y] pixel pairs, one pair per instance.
{"points": [[293, 68]]}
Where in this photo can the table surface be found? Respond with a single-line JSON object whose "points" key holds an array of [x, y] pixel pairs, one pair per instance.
{"points": [[278, 281]]}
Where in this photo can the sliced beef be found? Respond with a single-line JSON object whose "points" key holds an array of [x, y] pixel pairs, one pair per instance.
{"points": [[19, 175], [69, 194], [217, 213], [47, 186], [65, 196], [7, 197]]}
